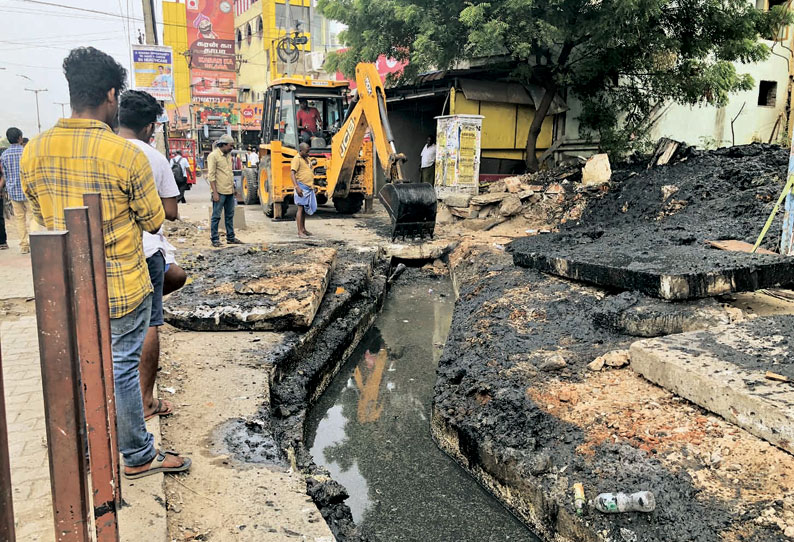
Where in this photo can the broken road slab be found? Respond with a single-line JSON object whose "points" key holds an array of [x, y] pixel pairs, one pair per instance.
{"points": [[673, 272], [430, 250], [274, 288], [723, 370]]}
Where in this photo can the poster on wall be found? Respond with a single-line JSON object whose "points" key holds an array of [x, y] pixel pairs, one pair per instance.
{"points": [[210, 36], [247, 116], [152, 69]]}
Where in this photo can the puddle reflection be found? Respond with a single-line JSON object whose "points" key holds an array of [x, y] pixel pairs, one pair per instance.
{"points": [[371, 431]]}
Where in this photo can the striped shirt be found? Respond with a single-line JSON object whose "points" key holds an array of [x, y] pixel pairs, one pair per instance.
{"points": [[10, 163], [80, 156]]}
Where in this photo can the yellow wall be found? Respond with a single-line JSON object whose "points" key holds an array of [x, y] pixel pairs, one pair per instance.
{"points": [[498, 139], [175, 36]]}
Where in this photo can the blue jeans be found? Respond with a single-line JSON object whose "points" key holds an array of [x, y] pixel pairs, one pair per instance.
{"points": [[226, 204], [127, 333]]}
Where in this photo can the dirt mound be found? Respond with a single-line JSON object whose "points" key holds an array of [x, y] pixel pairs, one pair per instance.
{"points": [[722, 194]]}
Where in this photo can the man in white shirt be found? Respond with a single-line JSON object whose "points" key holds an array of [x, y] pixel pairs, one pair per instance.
{"points": [[138, 112], [428, 161], [181, 180], [253, 157]]}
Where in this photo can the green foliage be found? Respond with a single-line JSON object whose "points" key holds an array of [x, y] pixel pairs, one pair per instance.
{"points": [[621, 58]]}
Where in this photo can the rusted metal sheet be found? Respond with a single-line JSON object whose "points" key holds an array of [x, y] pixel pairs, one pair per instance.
{"points": [[92, 371], [94, 204], [6, 498], [60, 378]]}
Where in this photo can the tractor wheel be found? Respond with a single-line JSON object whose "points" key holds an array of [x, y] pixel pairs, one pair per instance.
{"points": [[249, 183], [349, 205], [265, 195], [322, 199]]}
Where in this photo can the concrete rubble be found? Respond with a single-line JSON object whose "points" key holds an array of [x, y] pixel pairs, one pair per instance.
{"points": [[253, 288]]}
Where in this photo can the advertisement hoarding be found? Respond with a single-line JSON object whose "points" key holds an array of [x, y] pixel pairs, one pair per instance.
{"points": [[210, 36], [246, 116], [152, 69]]}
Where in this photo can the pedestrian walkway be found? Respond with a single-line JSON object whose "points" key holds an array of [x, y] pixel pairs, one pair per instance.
{"points": [[27, 436]]}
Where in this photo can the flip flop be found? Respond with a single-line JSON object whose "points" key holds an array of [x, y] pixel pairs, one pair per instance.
{"points": [[157, 466], [160, 411]]}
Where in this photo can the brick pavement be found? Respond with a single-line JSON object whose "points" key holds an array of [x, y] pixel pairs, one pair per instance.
{"points": [[27, 437]]}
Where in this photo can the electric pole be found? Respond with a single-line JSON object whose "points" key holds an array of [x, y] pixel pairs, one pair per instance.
{"points": [[150, 24], [63, 111], [36, 92]]}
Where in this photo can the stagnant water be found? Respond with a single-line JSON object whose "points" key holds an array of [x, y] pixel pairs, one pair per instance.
{"points": [[371, 430]]}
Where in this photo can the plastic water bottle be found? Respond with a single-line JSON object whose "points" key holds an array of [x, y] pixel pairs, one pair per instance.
{"points": [[614, 503]]}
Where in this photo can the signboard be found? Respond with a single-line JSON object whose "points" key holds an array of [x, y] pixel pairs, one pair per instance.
{"points": [[210, 36], [458, 141], [152, 69], [246, 116], [383, 65]]}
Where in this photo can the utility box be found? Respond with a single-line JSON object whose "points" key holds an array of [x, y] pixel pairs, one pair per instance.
{"points": [[458, 140]]}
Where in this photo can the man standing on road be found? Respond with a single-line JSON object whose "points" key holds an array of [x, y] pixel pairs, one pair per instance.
{"points": [[221, 177], [138, 113], [10, 172], [303, 179], [80, 155], [180, 162], [428, 162], [3, 236], [253, 157]]}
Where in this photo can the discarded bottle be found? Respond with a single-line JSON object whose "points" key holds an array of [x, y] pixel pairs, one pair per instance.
{"points": [[614, 503], [578, 498]]}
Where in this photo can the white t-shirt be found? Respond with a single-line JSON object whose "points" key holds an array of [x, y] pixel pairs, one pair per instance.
{"points": [[166, 188], [429, 155], [253, 158], [182, 161]]}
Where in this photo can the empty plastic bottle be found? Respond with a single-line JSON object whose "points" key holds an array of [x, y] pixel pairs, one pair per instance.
{"points": [[614, 503]]}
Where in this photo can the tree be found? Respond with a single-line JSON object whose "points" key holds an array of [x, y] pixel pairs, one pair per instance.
{"points": [[622, 58]]}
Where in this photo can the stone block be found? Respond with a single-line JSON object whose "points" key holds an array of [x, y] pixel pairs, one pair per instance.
{"points": [[672, 272], [239, 219], [723, 369], [252, 288], [596, 170], [457, 200]]}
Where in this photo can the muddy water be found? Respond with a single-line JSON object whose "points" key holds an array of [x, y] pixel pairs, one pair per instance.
{"points": [[371, 430]]}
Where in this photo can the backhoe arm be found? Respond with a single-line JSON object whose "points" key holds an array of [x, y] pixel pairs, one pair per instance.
{"points": [[369, 111]]}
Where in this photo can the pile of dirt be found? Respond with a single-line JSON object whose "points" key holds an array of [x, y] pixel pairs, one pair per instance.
{"points": [[726, 193], [518, 348]]}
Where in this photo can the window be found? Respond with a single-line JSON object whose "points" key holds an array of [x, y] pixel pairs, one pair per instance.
{"points": [[239, 38], [260, 28], [249, 32], [767, 93], [287, 133]]}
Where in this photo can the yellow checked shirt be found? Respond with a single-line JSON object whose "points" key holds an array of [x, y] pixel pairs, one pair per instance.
{"points": [[80, 156]]}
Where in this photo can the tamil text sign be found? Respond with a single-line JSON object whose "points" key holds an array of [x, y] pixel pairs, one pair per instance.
{"points": [[210, 36]]}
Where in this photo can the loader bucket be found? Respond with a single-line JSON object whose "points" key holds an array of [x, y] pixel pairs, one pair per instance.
{"points": [[412, 208]]}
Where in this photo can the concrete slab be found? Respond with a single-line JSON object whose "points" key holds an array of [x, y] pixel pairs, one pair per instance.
{"points": [[263, 287], [682, 271], [640, 316], [723, 369]]}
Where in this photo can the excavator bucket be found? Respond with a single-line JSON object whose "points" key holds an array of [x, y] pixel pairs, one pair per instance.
{"points": [[412, 208]]}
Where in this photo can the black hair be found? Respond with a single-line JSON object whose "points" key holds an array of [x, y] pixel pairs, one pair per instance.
{"points": [[138, 109], [91, 74], [14, 135]]}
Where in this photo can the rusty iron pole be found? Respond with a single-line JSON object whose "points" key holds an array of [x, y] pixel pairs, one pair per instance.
{"points": [[60, 380], [86, 315], [6, 497], [94, 204]]}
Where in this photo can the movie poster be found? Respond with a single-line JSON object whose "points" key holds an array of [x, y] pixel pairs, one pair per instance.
{"points": [[152, 70], [210, 36]]}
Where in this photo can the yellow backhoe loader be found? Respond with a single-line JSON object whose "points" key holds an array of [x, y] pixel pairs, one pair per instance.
{"points": [[341, 137]]}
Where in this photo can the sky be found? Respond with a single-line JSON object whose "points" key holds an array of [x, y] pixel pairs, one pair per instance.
{"points": [[38, 34]]}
